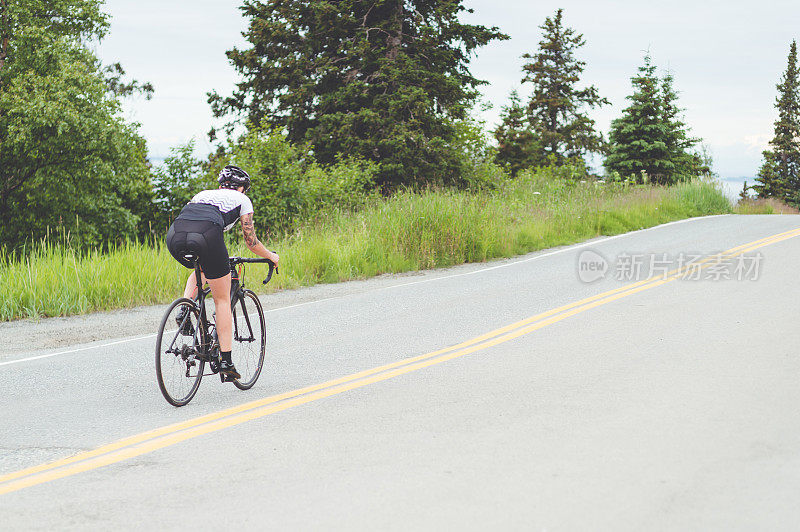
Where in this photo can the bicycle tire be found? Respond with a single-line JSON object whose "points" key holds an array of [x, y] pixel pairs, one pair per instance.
{"points": [[176, 361], [249, 361]]}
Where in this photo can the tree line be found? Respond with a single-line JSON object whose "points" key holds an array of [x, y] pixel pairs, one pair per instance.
{"points": [[648, 143], [338, 100]]}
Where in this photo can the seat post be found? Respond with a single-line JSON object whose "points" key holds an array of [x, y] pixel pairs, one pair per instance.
{"points": [[195, 259], [200, 299], [198, 277]]}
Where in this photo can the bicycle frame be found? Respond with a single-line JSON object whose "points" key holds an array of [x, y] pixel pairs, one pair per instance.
{"points": [[205, 339], [237, 294], [237, 291]]}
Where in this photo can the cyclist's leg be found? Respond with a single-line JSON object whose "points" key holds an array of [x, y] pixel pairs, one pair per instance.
{"points": [[191, 285], [217, 273]]}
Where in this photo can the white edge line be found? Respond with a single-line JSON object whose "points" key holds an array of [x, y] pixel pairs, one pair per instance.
{"points": [[109, 344], [482, 270], [135, 338]]}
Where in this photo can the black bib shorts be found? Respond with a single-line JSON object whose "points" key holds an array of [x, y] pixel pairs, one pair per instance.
{"points": [[203, 238]]}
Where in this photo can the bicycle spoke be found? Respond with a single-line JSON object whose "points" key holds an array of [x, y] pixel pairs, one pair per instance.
{"points": [[176, 378]]}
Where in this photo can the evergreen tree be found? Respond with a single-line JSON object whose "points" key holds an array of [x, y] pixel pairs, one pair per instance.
{"points": [[380, 79], [681, 160], [517, 148], [744, 195], [769, 183], [67, 157], [636, 141], [650, 138], [556, 106], [780, 174]]}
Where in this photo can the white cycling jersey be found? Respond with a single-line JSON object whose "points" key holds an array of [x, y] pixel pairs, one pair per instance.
{"points": [[230, 204]]}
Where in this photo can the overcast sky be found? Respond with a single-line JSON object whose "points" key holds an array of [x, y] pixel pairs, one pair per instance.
{"points": [[726, 56]]}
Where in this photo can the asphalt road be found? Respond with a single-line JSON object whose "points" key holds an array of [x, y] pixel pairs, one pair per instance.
{"points": [[620, 403]]}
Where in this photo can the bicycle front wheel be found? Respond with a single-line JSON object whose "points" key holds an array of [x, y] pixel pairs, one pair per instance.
{"points": [[249, 339], [179, 368]]}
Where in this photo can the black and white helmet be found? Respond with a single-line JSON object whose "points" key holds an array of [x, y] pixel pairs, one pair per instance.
{"points": [[234, 177]]}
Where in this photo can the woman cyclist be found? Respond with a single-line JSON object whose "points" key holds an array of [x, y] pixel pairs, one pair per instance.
{"points": [[198, 229]]}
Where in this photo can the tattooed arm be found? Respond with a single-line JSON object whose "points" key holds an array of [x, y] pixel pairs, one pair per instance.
{"points": [[249, 232]]}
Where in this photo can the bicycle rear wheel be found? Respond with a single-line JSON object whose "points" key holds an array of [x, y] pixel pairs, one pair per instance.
{"points": [[249, 339], [179, 369]]}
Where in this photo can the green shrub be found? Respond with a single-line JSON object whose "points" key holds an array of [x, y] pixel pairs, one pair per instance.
{"points": [[289, 187]]}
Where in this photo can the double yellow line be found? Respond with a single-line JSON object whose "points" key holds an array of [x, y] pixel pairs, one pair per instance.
{"points": [[169, 435]]}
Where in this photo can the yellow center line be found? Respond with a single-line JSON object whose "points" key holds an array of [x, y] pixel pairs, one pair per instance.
{"points": [[169, 435]]}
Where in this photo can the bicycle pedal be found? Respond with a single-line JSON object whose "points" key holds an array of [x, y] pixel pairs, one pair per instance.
{"points": [[224, 377]]}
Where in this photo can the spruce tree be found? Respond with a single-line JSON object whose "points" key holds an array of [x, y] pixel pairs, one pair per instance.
{"points": [[517, 148], [744, 195], [636, 142], [779, 176], [650, 138], [556, 108], [381, 79], [680, 160]]}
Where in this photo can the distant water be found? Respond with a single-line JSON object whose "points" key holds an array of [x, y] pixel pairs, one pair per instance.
{"points": [[733, 185]]}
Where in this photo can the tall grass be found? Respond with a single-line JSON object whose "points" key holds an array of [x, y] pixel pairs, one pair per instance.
{"points": [[55, 280], [408, 231], [414, 231], [764, 206]]}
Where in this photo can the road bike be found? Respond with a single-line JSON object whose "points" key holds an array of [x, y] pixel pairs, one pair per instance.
{"points": [[183, 352]]}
